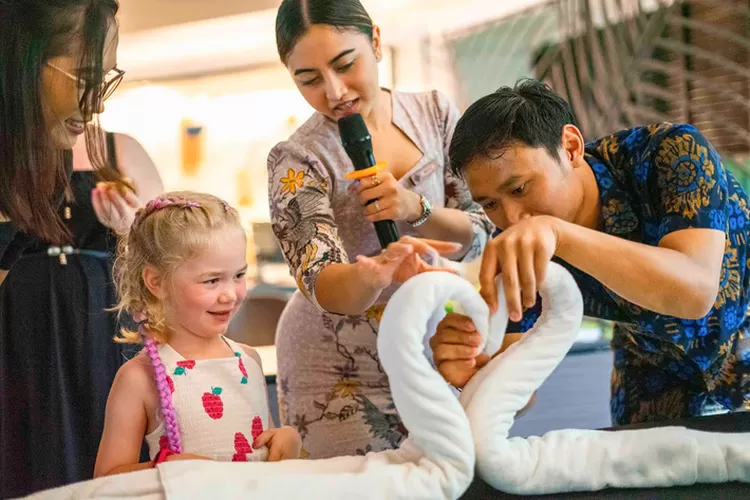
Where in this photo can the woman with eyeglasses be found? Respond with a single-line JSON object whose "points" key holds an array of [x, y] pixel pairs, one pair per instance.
{"points": [[66, 189]]}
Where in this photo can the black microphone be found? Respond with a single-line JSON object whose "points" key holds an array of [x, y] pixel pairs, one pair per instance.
{"points": [[358, 145]]}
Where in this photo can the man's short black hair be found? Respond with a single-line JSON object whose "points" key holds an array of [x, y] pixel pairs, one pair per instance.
{"points": [[530, 113]]}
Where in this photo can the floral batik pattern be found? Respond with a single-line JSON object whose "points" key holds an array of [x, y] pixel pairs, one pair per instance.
{"points": [[332, 387], [653, 181]]}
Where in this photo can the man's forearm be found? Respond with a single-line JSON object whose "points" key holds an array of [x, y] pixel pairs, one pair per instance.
{"points": [[658, 279]]}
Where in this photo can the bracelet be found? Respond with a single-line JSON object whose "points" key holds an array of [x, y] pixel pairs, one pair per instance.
{"points": [[162, 456], [426, 212]]}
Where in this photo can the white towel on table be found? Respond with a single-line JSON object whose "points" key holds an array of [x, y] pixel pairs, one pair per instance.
{"points": [[578, 460]]}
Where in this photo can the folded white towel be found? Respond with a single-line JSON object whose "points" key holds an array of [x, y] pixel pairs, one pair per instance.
{"points": [[143, 485], [575, 460]]}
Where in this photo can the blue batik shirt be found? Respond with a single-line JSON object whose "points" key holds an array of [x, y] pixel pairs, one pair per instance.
{"points": [[653, 181]]}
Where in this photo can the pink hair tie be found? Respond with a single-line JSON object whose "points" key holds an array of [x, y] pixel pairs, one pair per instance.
{"points": [[159, 203]]}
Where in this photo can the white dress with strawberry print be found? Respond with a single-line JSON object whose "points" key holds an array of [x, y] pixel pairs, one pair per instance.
{"points": [[221, 405]]}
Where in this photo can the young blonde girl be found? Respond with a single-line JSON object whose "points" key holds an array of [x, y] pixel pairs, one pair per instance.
{"points": [[191, 393]]}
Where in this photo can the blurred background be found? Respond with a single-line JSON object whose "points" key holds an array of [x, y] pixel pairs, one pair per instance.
{"points": [[207, 97]]}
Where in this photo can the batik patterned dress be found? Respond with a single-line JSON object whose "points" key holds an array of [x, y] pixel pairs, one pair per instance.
{"points": [[331, 385]]}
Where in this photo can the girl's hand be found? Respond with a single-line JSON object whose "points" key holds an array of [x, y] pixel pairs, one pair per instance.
{"points": [[283, 443]]}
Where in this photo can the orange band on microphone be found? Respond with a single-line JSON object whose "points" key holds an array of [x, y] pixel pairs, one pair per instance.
{"points": [[368, 172]]}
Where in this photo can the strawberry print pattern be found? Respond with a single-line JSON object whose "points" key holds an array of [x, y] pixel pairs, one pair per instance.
{"points": [[257, 427], [183, 366], [242, 448], [212, 403], [220, 405], [242, 368]]}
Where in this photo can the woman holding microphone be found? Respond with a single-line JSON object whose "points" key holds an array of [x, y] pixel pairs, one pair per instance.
{"points": [[331, 385]]}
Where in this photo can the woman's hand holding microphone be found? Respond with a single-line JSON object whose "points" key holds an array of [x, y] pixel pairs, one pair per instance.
{"points": [[392, 200], [402, 259]]}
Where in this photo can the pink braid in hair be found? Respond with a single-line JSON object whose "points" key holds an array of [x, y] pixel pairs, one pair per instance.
{"points": [[165, 393]]}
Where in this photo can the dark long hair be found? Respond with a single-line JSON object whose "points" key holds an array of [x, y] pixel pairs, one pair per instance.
{"points": [[33, 173], [295, 17]]}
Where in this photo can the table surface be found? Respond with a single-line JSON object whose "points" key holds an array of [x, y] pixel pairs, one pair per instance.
{"points": [[267, 355], [737, 422]]}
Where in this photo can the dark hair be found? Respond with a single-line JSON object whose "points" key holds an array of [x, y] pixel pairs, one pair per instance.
{"points": [[530, 113], [295, 17], [33, 172]]}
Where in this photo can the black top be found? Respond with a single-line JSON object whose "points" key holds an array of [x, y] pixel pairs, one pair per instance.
{"points": [[57, 356], [9, 248], [87, 232]]}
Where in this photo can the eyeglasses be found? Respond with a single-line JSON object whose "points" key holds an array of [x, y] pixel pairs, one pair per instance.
{"points": [[106, 88]]}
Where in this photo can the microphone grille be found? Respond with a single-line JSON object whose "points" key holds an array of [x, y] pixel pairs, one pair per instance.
{"points": [[352, 129]]}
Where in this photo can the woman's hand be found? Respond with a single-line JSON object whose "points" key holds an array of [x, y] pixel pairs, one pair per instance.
{"points": [[521, 255], [457, 355], [115, 208], [392, 200], [456, 351], [403, 260], [283, 443]]}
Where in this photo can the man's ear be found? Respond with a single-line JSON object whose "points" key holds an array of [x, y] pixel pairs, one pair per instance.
{"points": [[573, 144]]}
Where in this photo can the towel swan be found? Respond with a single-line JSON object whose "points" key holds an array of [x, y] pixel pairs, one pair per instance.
{"points": [[577, 460], [437, 460]]}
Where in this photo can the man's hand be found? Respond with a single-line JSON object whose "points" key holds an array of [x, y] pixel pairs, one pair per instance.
{"points": [[455, 350], [521, 255]]}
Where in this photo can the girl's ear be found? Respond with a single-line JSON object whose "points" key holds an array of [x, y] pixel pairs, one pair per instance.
{"points": [[154, 281]]}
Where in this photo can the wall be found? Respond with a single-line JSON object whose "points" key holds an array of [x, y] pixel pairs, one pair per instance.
{"points": [[500, 53], [141, 15], [242, 114], [425, 64], [245, 39]]}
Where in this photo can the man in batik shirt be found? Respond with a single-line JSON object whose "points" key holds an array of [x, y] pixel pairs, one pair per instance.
{"points": [[650, 223]]}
